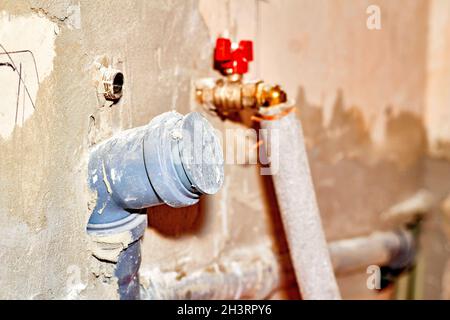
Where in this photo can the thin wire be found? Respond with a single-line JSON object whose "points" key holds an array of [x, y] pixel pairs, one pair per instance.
{"points": [[20, 76]]}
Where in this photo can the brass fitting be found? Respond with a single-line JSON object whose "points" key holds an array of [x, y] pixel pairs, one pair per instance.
{"points": [[232, 95]]}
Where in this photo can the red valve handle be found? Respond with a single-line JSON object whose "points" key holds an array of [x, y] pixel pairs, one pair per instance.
{"points": [[229, 61]]}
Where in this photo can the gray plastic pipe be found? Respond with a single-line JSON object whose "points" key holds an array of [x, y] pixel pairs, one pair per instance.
{"points": [[173, 160], [283, 140]]}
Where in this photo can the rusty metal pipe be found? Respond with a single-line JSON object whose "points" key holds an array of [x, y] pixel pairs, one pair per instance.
{"points": [[258, 275], [298, 207]]}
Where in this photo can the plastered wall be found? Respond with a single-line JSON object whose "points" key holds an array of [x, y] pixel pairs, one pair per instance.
{"points": [[360, 93]]}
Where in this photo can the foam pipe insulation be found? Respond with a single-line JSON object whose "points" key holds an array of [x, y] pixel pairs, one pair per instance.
{"points": [[173, 160], [296, 198]]}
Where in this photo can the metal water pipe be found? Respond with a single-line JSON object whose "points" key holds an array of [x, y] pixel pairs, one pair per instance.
{"points": [[227, 97]]}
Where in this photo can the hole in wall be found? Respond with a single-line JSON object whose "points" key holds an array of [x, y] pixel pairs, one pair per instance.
{"points": [[118, 83]]}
